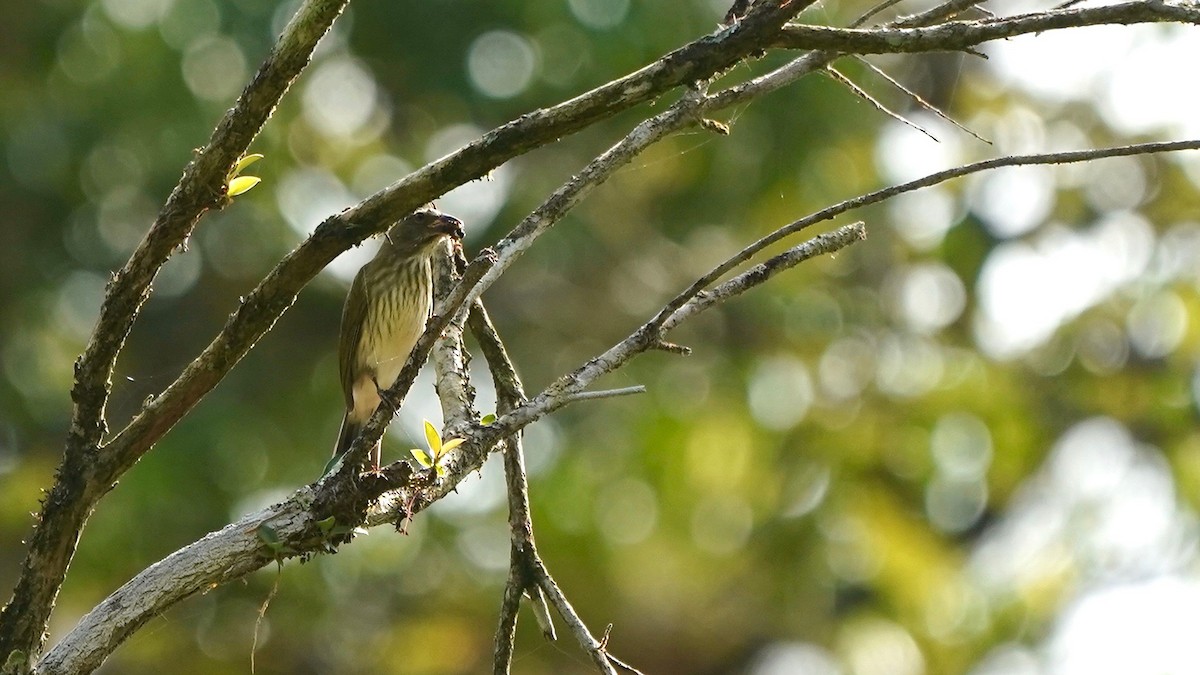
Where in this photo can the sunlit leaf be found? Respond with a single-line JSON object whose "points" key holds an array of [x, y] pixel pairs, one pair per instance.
{"points": [[433, 438], [245, 162], [242, 184], [487, 419], [422, 457], [452, 444]]}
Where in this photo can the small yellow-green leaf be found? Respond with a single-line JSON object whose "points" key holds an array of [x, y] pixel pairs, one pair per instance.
{"points": [[242, 184], [421, 457], [441, 470], [433, 438], [452, 444], [245, 162], [326, 526], [487, 419]]}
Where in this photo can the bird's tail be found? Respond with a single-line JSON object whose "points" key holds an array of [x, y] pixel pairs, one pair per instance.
{"points": [[349, 431], [346, 435]]}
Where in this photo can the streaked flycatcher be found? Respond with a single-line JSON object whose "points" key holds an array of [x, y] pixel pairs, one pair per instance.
{"points": [[385, 312]]}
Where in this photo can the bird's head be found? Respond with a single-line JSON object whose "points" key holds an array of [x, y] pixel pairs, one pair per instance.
{"points": [[423, 228]]}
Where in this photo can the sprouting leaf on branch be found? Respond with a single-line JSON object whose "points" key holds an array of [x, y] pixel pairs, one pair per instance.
{"points": [[438, 450], [242, 184], [238, 184]]}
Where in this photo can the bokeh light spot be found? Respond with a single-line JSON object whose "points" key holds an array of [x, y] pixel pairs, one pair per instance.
{"points": [[780, 392], [89, 52], [79, 299], [1027, 291], [188, 21], [880, 647], [930, 296], [905, 154], [214, 68], [341, 99], [1157, 324], [377, 172], [908, 366], [961, 446], [846, 368], [1146, 627], [794, 658], [1115, 184], [599, 14], [627, 511], [564, 52], [923, 217], [136, 14], [501, 63], [1013, 201]]}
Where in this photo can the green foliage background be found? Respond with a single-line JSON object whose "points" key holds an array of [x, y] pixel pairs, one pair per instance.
{"points": [[769, 499]]}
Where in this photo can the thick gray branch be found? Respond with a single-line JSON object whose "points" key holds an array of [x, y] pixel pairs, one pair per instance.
{"points": [[221, 556]]}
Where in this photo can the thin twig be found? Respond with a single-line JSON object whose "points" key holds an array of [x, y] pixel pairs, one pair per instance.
{"points": [[861, 93], [816, 60], [821, 244], [838, 209], [522, 549], [917, 97], [607, 393], [597, 649], [881, 7]]}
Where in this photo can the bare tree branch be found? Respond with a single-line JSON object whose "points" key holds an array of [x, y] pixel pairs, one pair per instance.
{"points": [[962, 35], [608, 393], [926, 105], [818, 245], [875, 103]]}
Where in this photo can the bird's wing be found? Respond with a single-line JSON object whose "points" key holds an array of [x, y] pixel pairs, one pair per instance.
{"points": [[353, 314]]}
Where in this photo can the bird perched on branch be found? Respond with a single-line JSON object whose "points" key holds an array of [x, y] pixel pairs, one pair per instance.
{"points": [[385, 312]]}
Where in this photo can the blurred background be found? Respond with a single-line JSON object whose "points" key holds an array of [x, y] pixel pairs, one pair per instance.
{"points": [[968, 444]]}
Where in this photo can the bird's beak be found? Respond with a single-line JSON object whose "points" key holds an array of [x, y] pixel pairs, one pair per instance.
{"points": [[449, 226]]}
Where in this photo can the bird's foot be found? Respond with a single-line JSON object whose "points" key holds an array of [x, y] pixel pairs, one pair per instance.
{"points": [[384, 396]]}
